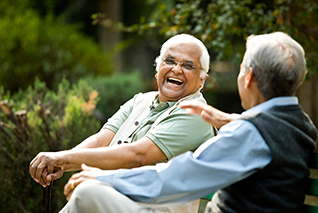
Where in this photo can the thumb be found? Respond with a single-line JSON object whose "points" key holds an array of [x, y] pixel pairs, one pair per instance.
{"points": [[207, 117], [54, 176], [85, 167]]}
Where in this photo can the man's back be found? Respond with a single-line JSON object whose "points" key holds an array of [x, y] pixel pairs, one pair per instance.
{"points": [[279, 187]]}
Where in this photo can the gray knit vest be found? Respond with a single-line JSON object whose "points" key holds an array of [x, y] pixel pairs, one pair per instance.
{"points": [[279, 187]]}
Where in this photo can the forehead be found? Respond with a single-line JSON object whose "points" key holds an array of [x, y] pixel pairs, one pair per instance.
{"points": [[184, 51]]}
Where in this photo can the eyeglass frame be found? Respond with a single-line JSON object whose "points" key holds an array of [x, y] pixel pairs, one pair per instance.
{"points": [[175, 63]]}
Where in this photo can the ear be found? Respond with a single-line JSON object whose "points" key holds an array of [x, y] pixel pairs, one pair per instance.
{"points": [[249, 78], [202, 81], [156, 75]]}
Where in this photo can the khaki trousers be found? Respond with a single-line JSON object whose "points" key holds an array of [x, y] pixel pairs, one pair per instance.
{"points": [[95, 196]]}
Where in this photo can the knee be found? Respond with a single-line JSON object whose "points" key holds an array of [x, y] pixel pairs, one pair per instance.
{"points": [[85, 195]]}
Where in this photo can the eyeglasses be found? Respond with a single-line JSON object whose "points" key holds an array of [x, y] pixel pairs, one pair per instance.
{"points": [[186, 65]]}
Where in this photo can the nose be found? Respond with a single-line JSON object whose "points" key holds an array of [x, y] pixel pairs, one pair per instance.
{"points": [[177, 69]]}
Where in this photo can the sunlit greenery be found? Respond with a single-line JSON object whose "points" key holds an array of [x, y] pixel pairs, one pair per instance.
{"points": [[223, 25], [46, 48]]}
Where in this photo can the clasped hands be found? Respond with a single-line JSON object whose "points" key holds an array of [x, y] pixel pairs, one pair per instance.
{"points": [[46, 166]]}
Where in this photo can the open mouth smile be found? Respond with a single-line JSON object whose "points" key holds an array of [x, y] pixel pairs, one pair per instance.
{"points": [[174, 82]]}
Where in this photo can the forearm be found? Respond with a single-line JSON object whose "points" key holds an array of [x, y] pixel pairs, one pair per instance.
{"points": [[100, 139], [103, 158], [140, 153]]}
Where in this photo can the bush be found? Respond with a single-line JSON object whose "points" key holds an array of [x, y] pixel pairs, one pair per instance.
{"points": [[37, 120], [44, 48], [115, 90]]}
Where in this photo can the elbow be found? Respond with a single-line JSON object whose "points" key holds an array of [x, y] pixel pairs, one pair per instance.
{"points": [[138, 158], [141, 160]]}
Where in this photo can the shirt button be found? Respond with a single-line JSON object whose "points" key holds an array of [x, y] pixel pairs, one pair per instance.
{"points": [[136, 123], [119, 142]]}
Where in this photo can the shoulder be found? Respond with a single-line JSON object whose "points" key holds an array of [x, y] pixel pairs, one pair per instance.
{"points": [[240, 127]]}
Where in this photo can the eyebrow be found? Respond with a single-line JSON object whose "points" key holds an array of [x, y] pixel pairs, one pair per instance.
{"points": [[171, 57]]}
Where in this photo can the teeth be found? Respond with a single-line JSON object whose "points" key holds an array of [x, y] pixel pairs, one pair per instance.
{"points": [[173, 79]]}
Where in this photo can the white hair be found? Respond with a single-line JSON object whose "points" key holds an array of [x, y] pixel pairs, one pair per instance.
{"points": [[183, 39], [278, 62]]}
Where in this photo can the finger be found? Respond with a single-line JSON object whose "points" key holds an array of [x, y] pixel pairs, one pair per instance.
{"points": [[190, 111], [67, 188], [192, 107], [188, 104], [39, 170], [86, 168], [54, 176], [207, 117], [32, 167], [50, 167], [68, 197], [70, 186], [44, 178]]}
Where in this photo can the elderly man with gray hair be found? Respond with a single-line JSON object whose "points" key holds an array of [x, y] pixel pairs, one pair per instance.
{"points": [[257, 163], [150, 127]]}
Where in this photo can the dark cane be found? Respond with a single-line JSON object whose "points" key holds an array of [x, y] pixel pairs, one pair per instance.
{"points": [[46, 203]]}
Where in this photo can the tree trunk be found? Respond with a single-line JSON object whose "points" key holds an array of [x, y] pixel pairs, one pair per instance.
{"points": [[308, 97]]}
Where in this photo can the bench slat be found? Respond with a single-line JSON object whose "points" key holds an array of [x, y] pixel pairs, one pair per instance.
{"points": [[312, 187], [313, 161], [310, 209]]}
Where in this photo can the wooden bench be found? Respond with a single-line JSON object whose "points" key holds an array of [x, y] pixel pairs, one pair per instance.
{"points": [[311, 198]]}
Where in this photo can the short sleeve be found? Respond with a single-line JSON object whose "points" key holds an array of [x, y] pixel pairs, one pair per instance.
{"points": [[179, 132], [115, 122]]}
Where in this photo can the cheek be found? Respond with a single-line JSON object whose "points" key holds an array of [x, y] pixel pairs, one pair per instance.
{"points": [[194, 80]]}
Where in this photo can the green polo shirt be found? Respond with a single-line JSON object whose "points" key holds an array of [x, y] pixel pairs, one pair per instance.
{"points": [[175, 134]]}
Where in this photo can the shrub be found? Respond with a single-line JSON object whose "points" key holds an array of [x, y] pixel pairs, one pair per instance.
{"points": [[115, 90], [44, 48], [35, 120]]}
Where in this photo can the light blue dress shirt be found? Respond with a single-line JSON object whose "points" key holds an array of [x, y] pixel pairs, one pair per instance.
{"points": [[234, 154]]}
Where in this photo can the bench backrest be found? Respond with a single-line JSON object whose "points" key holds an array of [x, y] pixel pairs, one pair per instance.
{"points": [[311, 199]]}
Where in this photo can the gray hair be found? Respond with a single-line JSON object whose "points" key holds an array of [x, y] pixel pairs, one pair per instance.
{"points": [[278, 63], [182, 39]]}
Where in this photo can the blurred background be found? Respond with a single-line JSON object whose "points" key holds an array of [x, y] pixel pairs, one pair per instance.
{"points": [[66, 66]]}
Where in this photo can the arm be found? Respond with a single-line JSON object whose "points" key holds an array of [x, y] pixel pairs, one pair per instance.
{"points": [[139, 153], [208, 113], [100, 139], [237, 152]]}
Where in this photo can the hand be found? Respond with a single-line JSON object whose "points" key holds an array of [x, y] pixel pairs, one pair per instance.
{"points": [[87, 174], [208, 113], [45, 167]]}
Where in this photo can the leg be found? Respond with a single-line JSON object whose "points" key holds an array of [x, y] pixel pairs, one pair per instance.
{"points": [[95, 196]]}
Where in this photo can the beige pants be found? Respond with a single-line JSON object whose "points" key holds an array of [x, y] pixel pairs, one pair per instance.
{"points": [[94, 196]]}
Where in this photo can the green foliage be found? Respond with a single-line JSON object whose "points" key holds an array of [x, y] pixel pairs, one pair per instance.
{"points": [[50, 121], [115, 90], [44, 48], [45, 121], [223, 25]]}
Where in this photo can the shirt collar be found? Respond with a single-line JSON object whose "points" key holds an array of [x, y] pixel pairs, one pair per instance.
{"points": [[277, 101], [155, 102]]}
